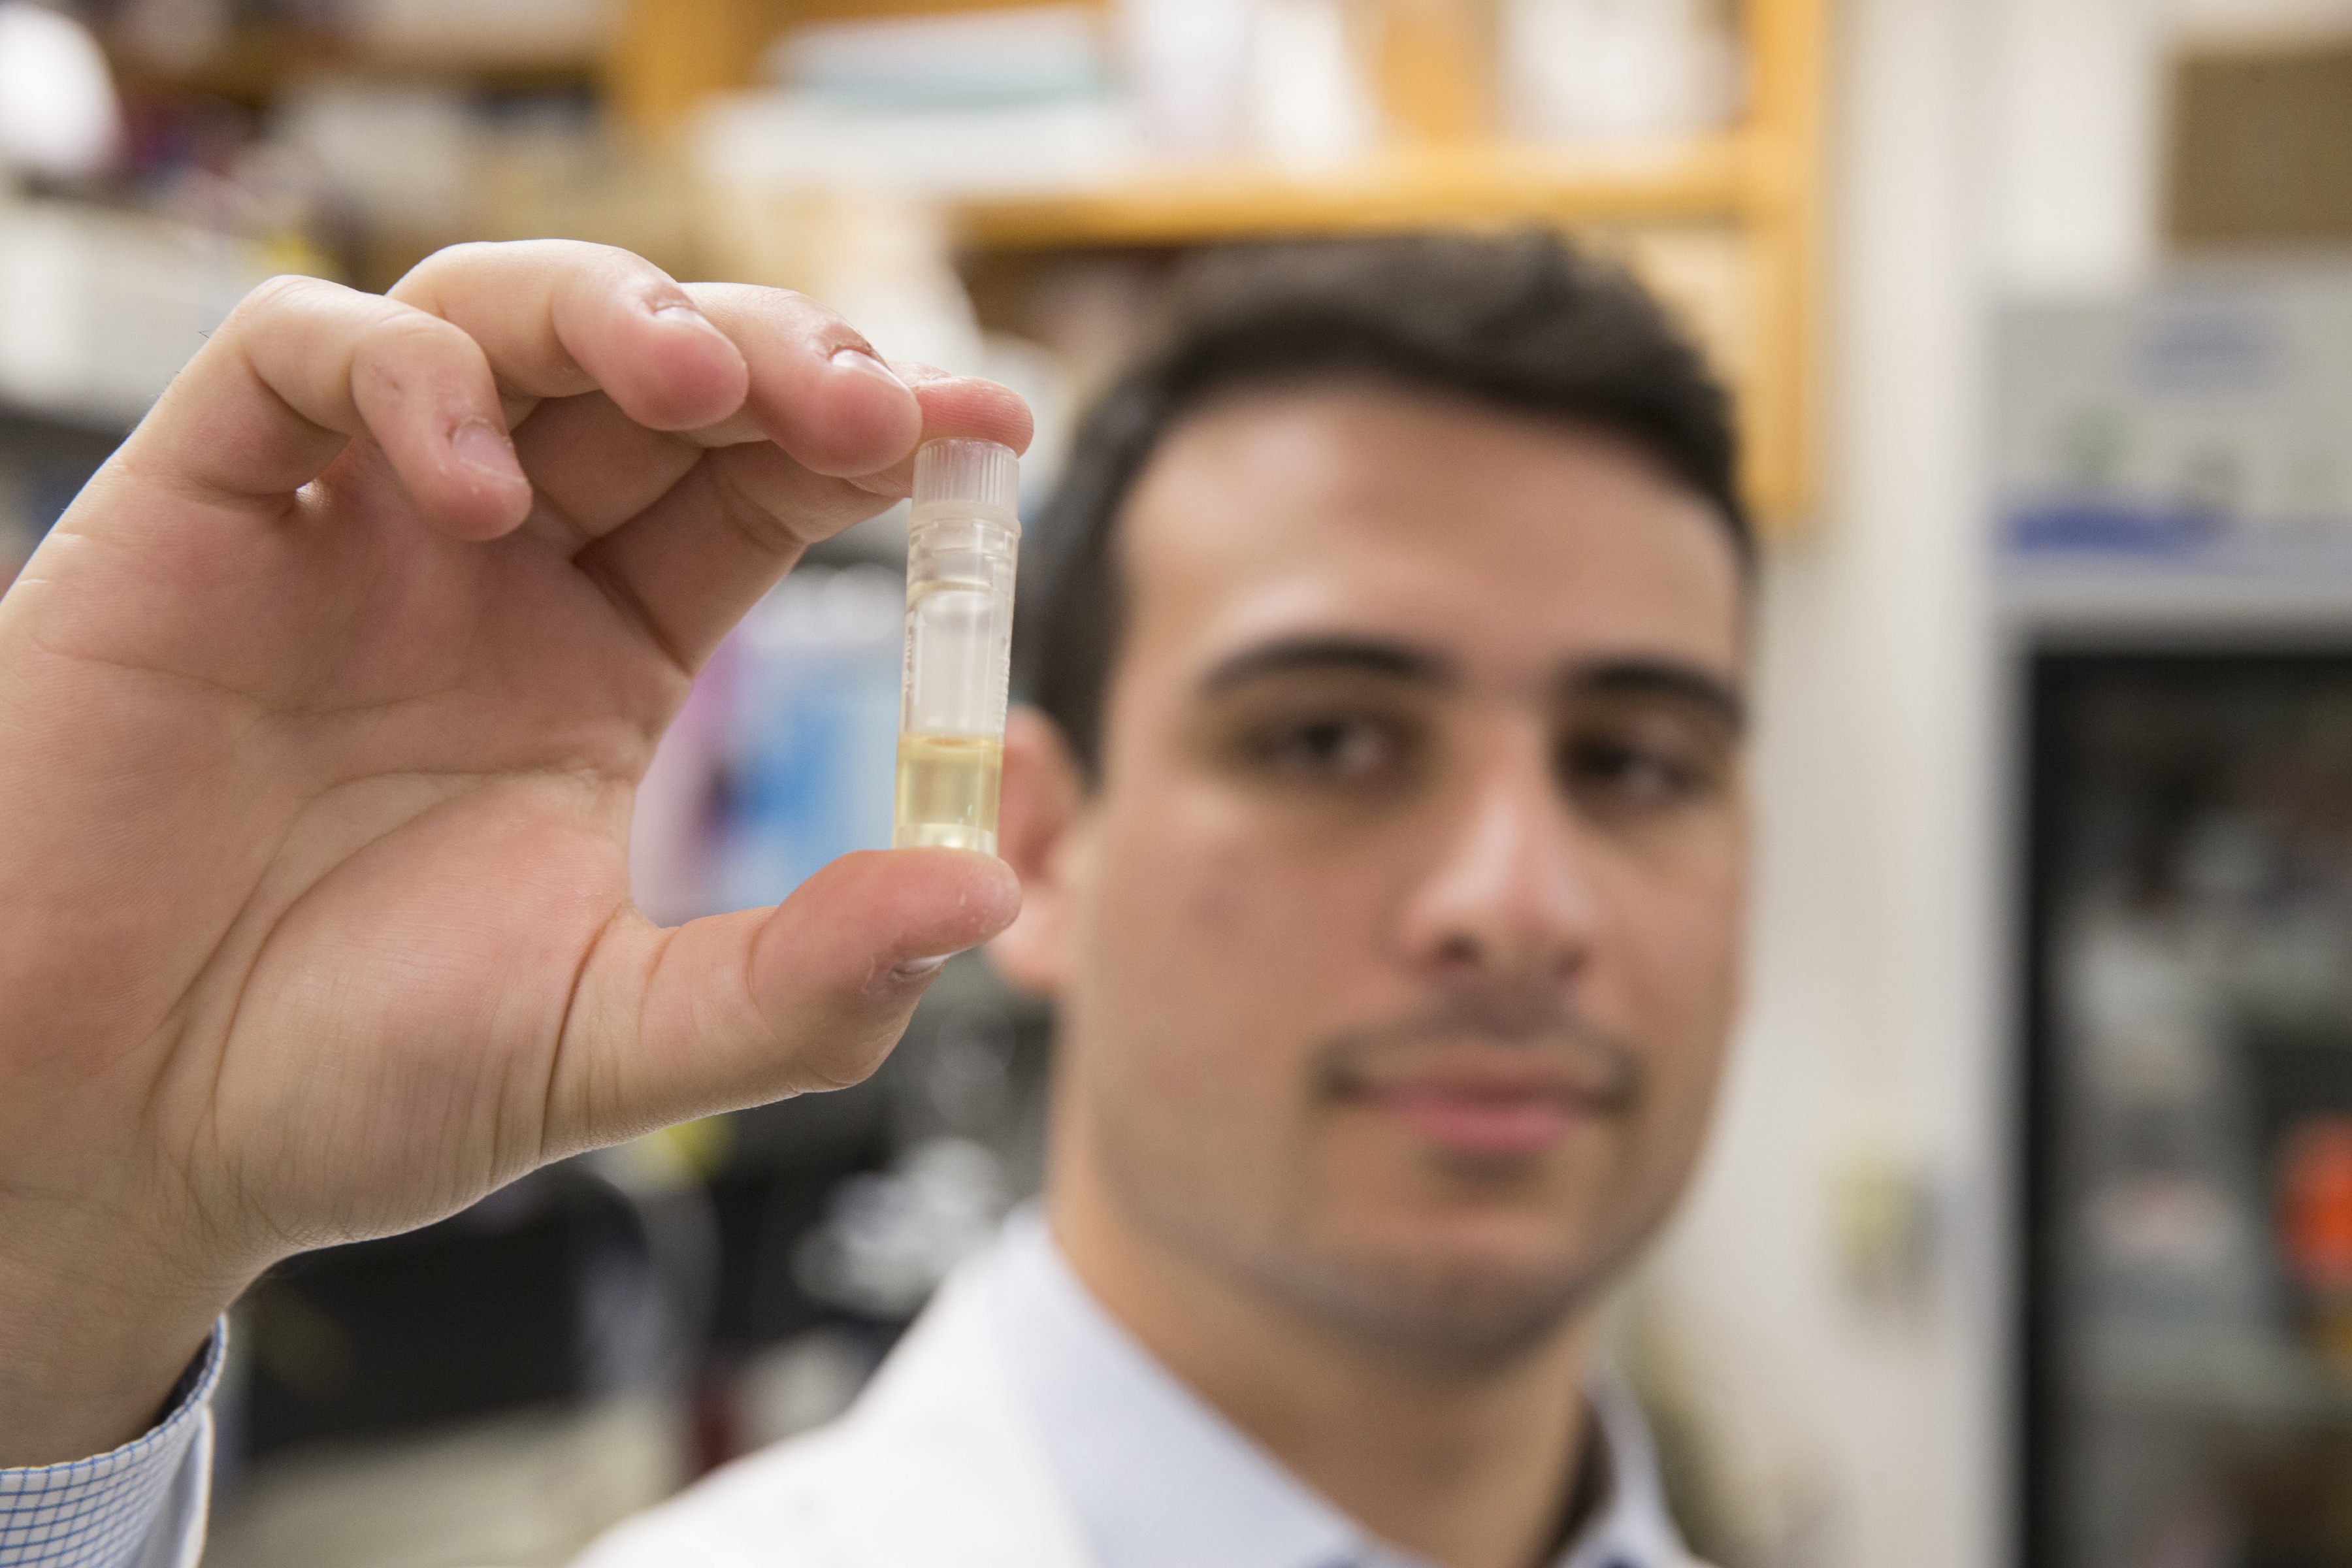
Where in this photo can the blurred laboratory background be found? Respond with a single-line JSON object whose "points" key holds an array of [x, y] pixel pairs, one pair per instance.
{"points": [[2026, 1234]]}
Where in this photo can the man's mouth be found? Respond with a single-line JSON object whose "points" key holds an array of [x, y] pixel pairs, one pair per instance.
{"points": [[1503, 1105]]}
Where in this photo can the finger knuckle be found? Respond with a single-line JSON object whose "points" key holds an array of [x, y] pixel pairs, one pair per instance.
{"points": [[452, 255], [286, 294], [402, 347], [404, 330]]}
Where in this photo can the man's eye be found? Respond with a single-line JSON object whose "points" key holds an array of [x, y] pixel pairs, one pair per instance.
{"points": [[1620, 774], [1338, 749]]}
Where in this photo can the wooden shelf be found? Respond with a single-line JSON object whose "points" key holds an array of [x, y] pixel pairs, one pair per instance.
{"points": [[259, 62], [1725, 227], [1406, 187], [1721, 228]]}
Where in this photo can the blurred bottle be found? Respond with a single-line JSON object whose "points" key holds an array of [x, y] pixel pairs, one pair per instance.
{"points": [[812, 731], [2169, 1192], [1308, 99], [889, 1239], [1289, 81], [60, 116], [1184, 62], [1617, 69]]}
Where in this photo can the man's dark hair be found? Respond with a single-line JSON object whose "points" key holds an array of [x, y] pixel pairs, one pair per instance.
{"points": [[1521, 321]]}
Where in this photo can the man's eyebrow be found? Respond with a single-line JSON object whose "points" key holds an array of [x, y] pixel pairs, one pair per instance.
{"points": [[1657, 677], [1365, 655]]}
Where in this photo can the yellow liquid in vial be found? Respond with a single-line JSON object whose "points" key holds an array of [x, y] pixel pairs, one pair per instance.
{"points": [[947, 793]]}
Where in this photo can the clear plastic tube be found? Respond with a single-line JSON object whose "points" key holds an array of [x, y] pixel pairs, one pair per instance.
{"points": [[963, 542]]}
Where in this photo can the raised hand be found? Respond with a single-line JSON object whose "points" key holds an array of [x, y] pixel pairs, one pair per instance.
{"points": [[320, 715]]}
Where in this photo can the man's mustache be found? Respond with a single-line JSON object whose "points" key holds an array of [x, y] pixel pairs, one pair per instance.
{"points": [[1548, 1042]]}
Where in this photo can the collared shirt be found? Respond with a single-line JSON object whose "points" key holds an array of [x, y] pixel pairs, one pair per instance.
{"points": [[1160, 1478], [141, 1505]]}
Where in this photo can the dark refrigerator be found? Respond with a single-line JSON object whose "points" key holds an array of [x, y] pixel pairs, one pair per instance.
{"points": [[2187, 1087], [2173, 492]]}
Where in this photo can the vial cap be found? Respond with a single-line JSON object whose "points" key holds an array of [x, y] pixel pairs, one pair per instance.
{"points": [[960, 469]]}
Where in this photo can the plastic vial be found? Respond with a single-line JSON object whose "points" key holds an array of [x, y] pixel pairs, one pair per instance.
{"points": [[961, 543]]}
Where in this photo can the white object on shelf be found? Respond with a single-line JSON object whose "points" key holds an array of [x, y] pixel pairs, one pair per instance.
{"points": [[1027, 53], [402, 154], [1616, 69], [58, 113], [1283, 79], [99, 309], [1306, 101], [803, 141], [1185, 61]]}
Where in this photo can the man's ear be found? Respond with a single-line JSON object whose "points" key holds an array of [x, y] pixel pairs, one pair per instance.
{"points": [[1037, 816]]}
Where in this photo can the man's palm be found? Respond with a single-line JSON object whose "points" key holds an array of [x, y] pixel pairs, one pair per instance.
{"points": [[316, 860]]}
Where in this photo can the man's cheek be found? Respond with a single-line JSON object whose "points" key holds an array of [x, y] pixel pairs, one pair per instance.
{"points": [[1208, 887], [1683, 949]]}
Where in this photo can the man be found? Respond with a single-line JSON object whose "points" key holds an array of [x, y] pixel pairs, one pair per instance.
{"points": [[1382, 843]]}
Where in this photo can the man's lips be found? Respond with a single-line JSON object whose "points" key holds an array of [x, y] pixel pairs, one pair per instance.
{"points": [[1496, 1107]]}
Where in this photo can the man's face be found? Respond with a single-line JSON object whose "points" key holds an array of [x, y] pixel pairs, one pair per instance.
{"points": [[1397, 944]]}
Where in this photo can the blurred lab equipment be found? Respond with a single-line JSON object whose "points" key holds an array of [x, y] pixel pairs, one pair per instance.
{"points": [[2175, 535], [58, 113], [2189, 1109], [1307, 95], [504, 1383], [810, 743], [2199, 423], [100, 309], [1627, 71], [926, 106], [1288, 80], [1184, 60]]}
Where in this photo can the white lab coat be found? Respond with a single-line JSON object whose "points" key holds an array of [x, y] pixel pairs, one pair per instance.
{"points": [[934, 1465], [937, 1466]]}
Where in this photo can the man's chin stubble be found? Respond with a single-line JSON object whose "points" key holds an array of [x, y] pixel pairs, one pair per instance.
{"points": [[1442, 1316], [1448, 1316]]}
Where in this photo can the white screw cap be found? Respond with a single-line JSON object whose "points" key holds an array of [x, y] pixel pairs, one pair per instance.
{"points": [[983, 474]]}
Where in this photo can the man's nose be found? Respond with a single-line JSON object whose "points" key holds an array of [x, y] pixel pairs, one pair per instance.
{"points": [[1510, 897]]}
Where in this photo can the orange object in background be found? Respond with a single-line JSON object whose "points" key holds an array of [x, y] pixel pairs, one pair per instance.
{"points": [[2315, 1217], [2315, 1193]]}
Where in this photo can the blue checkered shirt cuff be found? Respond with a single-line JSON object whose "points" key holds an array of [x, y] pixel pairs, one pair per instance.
{"points": [[141, 1506]]}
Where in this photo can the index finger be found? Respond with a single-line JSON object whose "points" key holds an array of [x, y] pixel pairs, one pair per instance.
{"points": [[301, 366], [559, 317]]}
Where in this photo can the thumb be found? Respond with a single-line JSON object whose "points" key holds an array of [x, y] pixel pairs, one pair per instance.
{"points": [[740, 1009]]}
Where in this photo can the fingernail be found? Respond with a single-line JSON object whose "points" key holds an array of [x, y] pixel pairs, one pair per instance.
{"points": [[860, 361], [685, 314], [482, 445], [916, 969]]}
